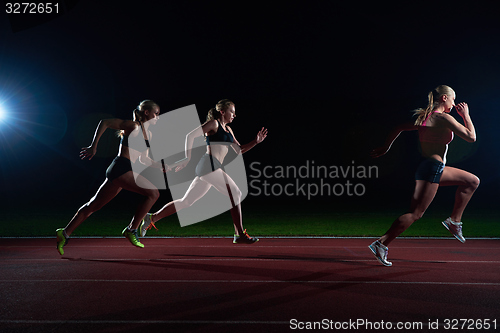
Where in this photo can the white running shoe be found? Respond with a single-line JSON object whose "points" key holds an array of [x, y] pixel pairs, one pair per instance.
{"points": [[146, 225], [380, 251], [455, 228]]}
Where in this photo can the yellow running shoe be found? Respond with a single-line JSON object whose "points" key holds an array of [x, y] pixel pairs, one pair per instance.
{"points": [[132, 237], [61, 240]]}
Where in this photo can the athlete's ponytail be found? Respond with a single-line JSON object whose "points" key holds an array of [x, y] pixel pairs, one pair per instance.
{"points": [[434, 98], [215, 113], [138, 113]]}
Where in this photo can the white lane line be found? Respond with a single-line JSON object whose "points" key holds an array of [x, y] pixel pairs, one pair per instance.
{"points": [[453, 283], [193, 246], [301, 259], [99, 322], [263, 237]]}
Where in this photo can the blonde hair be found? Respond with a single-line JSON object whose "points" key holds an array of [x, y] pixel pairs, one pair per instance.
{"points": [[214, 113], [138, 113], [434, 100]]}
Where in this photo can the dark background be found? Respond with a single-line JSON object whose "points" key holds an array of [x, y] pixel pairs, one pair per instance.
{"points": [[327, 78]]}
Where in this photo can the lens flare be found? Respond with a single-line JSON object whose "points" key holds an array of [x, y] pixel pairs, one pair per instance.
{"points": [[3, 113]]}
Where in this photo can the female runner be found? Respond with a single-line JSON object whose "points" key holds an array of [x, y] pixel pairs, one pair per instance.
{"points": [[119, 174], [436, 129], [209, 171]]}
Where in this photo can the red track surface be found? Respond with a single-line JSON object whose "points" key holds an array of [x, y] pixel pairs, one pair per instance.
{"points": [[211, 285]]}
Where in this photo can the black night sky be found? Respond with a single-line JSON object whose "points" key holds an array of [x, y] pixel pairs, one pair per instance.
{"points": [[327, 78]]}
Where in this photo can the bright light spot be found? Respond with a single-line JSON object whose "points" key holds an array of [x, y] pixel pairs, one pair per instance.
{"points": [[3, 114]]}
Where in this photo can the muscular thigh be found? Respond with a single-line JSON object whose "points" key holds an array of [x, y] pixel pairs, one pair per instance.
{"points": [[196, 190], [423, 195], [107, 191], [135, 183], [453, 176], [220, 180]]}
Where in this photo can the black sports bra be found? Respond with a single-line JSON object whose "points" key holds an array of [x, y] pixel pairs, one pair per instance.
{"points": [[220, 136]]}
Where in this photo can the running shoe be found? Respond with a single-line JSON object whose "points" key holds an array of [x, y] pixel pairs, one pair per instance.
{"points": [[146, 224], [245, 239], [380, 252], [61, 240], [455, 228], [132, 236]]}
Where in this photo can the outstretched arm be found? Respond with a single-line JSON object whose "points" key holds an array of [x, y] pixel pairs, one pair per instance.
{"points": [[261, 135], [117, 124], [393, 135]]}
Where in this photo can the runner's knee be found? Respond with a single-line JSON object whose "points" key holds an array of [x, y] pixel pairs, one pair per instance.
{"points": [[187, 201], [89, 208], [417, 215], [154, 194], [474, 182]]}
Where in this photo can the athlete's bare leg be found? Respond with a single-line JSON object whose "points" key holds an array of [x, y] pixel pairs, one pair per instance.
{"points": [[139, 184], [196, 191], [226, 185], [467, 185], [422, 197], [105, 193], [198, 188]]}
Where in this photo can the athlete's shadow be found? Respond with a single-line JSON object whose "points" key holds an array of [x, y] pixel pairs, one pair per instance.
{"points": [[344, 260], [217, 297]]}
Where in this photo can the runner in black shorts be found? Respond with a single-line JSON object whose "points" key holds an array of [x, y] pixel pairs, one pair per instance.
{"points": [[430, 170], [119, 174], [209, 170], [436, 129]]}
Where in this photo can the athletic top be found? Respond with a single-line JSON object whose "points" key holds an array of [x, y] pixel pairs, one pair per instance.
{"points": [[220, 136], [432, 134]]}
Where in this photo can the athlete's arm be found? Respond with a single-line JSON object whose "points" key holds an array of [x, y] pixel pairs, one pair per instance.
{"points": [[466, 131], [117, 124], [261, 135], [393, 135]]}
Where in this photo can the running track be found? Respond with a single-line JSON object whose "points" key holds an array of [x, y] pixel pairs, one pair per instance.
{"points": [[211, 285]]}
